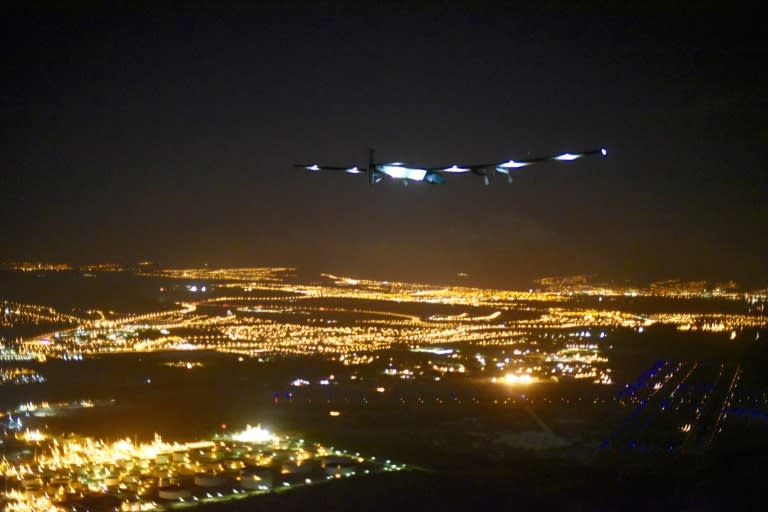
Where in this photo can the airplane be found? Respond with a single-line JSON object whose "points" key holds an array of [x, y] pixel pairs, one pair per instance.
{"points": [[436, 175]]}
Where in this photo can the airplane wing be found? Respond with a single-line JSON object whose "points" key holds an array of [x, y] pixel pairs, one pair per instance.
{"points": [[436, 175], [506, 166], [352, 169]]}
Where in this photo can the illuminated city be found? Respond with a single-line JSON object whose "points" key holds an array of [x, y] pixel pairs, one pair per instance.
{"points": [[557, 359], [383, 256], [79, 473]]}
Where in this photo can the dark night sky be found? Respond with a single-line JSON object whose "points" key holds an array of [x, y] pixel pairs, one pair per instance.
{"points": [[172, 138]]}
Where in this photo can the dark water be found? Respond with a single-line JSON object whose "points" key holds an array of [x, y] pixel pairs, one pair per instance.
{"points": [[71, 290]]}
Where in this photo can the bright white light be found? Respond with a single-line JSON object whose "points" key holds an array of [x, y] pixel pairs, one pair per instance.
{"points": [[353, 170], [568, 157], [254, 435], [33, 436], [512, 378], [511, 165], [313, 167], [400, 172], [455, 168], [604, 151], [434, 350], [514, 165]]}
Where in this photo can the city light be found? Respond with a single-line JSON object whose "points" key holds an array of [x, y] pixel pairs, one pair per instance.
{"points": [[512, 378], [254, 435]]}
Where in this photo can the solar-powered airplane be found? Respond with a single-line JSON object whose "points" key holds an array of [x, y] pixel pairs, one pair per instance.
{"points": [[436, 175]]}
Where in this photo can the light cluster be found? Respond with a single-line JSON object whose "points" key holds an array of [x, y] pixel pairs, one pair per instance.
{"points": [[63, 470], [19, 375]]}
